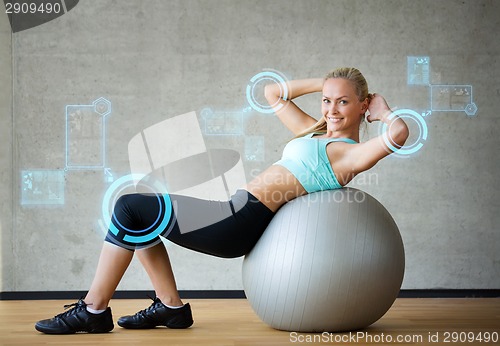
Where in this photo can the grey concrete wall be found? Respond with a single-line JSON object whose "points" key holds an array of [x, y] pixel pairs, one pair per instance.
{"points": [[7, 262], [157, 59]]}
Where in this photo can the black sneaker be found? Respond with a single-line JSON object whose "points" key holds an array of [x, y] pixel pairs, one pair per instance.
{"points": [[77, 319], [158, 315]]}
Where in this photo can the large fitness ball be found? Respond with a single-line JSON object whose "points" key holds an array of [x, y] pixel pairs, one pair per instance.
{"points": [[328, 261]]}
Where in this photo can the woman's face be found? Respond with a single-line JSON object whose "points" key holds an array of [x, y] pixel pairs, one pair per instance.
{"points": [[340, 105]]}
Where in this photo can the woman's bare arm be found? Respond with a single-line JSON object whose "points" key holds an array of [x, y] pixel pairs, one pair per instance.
{"points": [[294, 118], [363, 156]]}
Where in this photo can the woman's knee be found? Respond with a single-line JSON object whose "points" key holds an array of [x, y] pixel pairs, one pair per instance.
{"points": [[135, 221], [126, 202]]}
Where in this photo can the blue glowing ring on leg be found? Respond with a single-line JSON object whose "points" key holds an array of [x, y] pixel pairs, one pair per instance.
{"points": [[145, 229], [118, 193], [407, 149], [266, 75], [129, 179], [158, 230]]}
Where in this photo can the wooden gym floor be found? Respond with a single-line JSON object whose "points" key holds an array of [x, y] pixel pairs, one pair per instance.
{"points": [[410, 321]]}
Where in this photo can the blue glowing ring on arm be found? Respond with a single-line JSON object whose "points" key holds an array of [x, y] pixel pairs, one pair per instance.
{"points": [[406, 149], [266, 75]]}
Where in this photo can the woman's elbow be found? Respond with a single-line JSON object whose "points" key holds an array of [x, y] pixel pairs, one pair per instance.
{"points": [[271, 93], [399, 134]]}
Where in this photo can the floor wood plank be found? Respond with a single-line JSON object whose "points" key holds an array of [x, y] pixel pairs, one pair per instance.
{"points": [[232, 322]]}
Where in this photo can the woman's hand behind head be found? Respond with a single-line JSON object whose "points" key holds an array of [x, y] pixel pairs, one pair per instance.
{"points": [[377, 107]]}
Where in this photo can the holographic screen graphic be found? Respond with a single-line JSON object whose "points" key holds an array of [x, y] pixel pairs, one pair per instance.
{"points": [[42, 187], [442, 98], [452, 98], [418, 70], [171, 157], [85, 150], [222, 123], [25, 15], [232, 123], [85, 135]]}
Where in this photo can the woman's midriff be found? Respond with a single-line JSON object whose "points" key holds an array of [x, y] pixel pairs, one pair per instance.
{"points": [[275, 186]]}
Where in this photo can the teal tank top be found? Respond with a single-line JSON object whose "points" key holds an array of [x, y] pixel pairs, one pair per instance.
{"points": [[306, 159]]}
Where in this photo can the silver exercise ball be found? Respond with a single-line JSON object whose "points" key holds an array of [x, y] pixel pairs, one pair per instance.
{"points": [[329, 261]]}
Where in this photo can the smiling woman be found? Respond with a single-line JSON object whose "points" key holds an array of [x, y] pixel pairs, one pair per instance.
{"points": [[326, 155], [341, 107], [341, 157]]}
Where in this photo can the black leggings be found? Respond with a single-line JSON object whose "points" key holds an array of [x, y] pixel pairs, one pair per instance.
{"points": [[226, 229]]}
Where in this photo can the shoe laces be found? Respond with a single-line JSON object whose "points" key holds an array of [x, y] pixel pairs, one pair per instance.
{"points": [[155, 300], [75, 307]]}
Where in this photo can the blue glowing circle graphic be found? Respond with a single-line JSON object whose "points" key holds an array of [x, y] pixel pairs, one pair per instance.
{"points": [[118, 186], [141, 230], [406, 150], [272, 76]]}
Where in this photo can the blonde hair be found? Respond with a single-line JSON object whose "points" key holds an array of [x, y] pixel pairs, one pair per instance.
{"points": [[360, 85]]}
